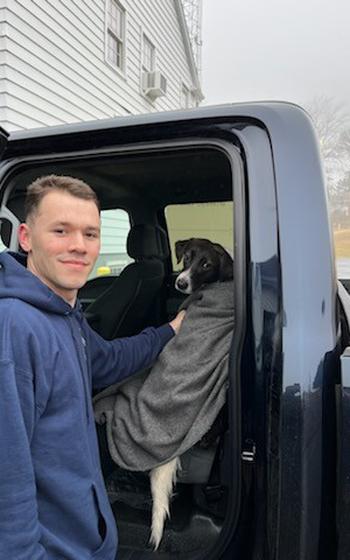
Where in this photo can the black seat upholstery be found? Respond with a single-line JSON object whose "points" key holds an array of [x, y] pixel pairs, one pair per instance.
{"points": [[126, 306]]}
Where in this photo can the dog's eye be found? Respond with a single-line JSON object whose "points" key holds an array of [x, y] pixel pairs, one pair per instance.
{"points": [[206, 265]]}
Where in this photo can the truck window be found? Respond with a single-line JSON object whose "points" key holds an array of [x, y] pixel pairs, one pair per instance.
{"points": [[209, 220], [115, 226], [342, 251]]}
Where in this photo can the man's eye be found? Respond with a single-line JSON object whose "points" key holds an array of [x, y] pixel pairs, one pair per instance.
{"points": [[92, 235], [60, 231]]}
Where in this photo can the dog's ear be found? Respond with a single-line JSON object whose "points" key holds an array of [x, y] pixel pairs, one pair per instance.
{"points": [[180, 247], [226, 263]]}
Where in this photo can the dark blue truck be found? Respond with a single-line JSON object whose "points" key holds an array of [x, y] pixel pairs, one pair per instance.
{"points": [[278, 482]]}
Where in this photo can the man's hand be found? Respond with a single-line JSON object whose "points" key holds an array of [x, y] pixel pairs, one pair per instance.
{"points": [[176, 323]]}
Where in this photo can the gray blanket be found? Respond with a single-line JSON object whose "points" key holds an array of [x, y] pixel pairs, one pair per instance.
{"points": [[160, 413]]}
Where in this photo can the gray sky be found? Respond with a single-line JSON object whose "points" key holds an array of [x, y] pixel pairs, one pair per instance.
{"points": [[293, 50]]}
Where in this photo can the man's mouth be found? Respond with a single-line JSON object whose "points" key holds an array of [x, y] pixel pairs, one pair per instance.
{"points": [[75, 263]]}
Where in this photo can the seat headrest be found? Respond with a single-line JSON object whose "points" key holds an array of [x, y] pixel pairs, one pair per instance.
{"points": [[145, 241]]}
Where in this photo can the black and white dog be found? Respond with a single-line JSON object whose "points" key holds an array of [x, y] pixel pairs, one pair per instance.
{"points": [[204, 262]]}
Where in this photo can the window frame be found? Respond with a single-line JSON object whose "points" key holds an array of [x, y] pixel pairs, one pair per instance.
{"points": [[112, 34], [146, 42], [185, 96], [144, 35], [238, 184]]}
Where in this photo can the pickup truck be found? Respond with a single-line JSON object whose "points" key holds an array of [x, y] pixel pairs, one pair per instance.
{"points": [[250, 176]]}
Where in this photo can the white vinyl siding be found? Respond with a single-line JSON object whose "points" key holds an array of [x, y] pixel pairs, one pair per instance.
{"points": [[54, 67], [115, 226]]}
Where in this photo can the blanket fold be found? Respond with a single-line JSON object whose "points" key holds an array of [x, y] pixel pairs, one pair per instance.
{"points": [[160, 413]]}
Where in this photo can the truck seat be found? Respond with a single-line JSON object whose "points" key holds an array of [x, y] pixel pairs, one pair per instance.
{"points": [[126, 306]]}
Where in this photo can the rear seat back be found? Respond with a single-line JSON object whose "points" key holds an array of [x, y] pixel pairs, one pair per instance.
{"points": [[127, 306]]}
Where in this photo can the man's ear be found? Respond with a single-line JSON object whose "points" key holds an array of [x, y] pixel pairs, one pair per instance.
{"points": [[226, 263], [24, 237], [180, 247]]}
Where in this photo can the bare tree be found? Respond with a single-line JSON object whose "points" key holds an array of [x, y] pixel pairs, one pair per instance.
{"points": [[332, 124]]}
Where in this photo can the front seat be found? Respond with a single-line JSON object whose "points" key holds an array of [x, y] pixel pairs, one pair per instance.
{"points": [[129, 304]]}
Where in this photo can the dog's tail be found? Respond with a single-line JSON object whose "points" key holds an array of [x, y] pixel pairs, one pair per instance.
{"points": [[162, 479]]}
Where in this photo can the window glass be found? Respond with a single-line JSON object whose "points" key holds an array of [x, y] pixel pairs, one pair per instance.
{"points": [[148, 55], [115, 34], [6, 230], [212, 220], [339, 201], [342, 251], [115, 226], [115, 19]]}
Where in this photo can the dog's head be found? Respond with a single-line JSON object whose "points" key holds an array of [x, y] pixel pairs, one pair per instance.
{"points": [[203, 262]]}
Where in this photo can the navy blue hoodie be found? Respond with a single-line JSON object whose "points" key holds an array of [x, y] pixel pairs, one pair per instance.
{"points": [[52, 495]]}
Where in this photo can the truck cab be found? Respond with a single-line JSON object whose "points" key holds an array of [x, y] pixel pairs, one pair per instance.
{"points": [[248, 176]]}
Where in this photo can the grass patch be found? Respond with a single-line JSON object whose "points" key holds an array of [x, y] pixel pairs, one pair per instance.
{"points": [[342, 243]]}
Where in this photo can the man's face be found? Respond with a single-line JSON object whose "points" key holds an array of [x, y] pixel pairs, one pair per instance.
{"points": [[62, 241]]}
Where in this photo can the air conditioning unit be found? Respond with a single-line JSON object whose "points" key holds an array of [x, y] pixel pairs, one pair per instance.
{"points": [[154, 84]]}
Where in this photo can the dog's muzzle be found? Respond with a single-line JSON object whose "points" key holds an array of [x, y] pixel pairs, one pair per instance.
{"points": [[183, 282]]}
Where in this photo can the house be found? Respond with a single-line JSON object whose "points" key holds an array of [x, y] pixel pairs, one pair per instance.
{"points": [[74, 60]]}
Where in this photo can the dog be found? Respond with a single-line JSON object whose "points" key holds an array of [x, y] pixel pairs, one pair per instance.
{"points": [[204, 262]]}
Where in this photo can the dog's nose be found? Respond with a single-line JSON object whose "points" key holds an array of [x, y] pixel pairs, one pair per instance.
{"points": [[182, 283]]}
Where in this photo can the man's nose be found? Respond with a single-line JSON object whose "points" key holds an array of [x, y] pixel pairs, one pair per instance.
{"points": [[77, 242]]}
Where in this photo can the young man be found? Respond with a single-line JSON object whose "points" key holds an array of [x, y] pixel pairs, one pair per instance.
{"points": [[53, 504]]}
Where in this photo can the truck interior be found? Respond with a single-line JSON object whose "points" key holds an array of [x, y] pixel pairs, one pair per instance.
{"points": [[149, 199]]}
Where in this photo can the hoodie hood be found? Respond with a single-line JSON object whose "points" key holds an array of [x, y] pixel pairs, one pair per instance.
{"points": [[19, 283]]}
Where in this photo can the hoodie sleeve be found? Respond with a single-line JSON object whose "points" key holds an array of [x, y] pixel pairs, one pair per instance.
{"points": [[19, 526], [115, 360]]}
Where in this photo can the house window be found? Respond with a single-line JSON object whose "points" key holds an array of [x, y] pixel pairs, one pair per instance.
{"points": [[185, 97], [148, 55], [116, 34]]}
